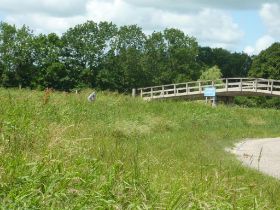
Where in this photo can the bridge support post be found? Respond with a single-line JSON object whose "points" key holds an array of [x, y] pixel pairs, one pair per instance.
{"points": [[133, 92], [214, 102]]}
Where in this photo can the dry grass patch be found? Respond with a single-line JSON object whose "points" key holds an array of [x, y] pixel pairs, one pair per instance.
{"points": [[256, 121]]}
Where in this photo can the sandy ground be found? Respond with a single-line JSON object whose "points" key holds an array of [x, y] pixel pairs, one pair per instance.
{"points": [[261, 154]]}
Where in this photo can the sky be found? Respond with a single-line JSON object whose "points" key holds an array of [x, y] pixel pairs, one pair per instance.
{"points": [[248, 26]]}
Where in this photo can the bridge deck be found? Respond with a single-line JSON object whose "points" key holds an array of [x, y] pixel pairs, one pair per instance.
{"points": [[224, 87]]}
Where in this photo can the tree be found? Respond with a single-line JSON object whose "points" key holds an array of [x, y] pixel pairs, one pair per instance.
{"points": [[57, 77], [206, 56], [16, 55], [47, 50], [170, 57], [155, 59], [267, 63], [213, 73], [122, 68], [84, 48], [231, 64], [7, 40], [182, 52], [103, 56]]}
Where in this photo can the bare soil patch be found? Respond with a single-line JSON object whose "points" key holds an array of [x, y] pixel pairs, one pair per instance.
{"points": [[261, 154]]}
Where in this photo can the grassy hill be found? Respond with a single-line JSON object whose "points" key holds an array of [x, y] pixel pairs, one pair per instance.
{"points": [[59, 151]]}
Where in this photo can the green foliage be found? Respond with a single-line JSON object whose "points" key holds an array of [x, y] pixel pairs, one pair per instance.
{"points": [[107, 57], [84, 48], [267, 63], [122, 67], [182, 51], [124, 153], [99, 55], [231, 64], [57, 77], [16, 56], [170, 57], [213, 73], [264, 102]]}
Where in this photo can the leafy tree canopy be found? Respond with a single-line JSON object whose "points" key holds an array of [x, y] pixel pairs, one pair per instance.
{"points": [[105, 56], [267, 63], [213, 73]]}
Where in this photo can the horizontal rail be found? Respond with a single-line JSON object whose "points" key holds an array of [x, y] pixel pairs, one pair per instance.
{"points": [[237, 85]]}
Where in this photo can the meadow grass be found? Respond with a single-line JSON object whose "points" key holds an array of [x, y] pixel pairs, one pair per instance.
{"points": [[58, 151]]}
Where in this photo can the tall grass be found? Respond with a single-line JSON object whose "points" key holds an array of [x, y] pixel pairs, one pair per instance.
{"points": [[124, 153]]}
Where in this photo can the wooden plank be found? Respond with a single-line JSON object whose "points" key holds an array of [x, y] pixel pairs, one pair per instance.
{"points": [[256, 85]]}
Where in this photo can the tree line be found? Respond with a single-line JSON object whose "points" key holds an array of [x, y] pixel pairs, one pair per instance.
{"points": [[107, 57]]}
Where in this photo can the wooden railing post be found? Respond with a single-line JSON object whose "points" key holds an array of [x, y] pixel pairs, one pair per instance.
{"points": [[256, 85], [175, 90], [227, 85], [133, 92], [272, 83], [187, 88], [162, 91], [199, 86], [241, 84], [141, 93]]}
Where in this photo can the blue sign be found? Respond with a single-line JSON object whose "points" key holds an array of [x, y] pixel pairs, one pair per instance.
{"points": [[210, 92]]}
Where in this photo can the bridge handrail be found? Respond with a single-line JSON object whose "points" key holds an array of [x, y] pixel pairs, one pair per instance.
{"points": [[252, 84], [222, 79]]}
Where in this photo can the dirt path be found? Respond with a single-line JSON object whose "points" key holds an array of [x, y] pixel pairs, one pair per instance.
{"points": [[262, 154]]}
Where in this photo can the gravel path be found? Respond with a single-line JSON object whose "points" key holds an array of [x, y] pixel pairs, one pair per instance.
{"points": [[262, 154]]}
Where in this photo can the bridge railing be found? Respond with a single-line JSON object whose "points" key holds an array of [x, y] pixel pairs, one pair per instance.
{"points": [[221, 85]]}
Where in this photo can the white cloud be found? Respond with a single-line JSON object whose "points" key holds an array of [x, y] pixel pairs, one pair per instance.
{"points": [[270, 14], [249, 50], [261, 44], [213, 27], [190, 5], [40, 23], [61, 8]]}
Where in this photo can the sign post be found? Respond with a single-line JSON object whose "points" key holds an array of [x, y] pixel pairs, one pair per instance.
{"points": [[211, 93]]}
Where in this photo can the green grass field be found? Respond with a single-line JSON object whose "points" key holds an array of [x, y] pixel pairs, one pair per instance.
{"points": [[62, 152]]}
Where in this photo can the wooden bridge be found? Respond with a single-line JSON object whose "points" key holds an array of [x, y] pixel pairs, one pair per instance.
{"points": [[224, 87]]}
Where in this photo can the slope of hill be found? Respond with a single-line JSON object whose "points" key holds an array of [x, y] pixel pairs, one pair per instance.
{"points": [[59, 151]]}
